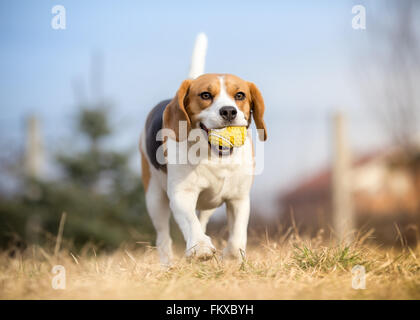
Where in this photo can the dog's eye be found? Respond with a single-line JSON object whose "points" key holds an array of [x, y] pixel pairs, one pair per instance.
{"points": [[239, 96], [205, 95]]}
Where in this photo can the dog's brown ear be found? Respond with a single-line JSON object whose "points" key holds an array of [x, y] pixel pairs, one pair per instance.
{"points": [[258, 108], [175, 112]]}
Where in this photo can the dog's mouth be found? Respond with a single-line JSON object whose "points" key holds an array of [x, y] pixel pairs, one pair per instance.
{"points": [[220, 150]]}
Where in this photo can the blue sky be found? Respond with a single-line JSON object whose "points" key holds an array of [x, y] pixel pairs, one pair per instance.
{"points": [[300, 53]]}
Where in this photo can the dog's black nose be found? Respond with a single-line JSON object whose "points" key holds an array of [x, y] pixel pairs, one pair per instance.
{"points": [[228, 113]]}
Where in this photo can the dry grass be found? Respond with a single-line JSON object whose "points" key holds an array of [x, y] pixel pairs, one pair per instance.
{"points": [[294, 269]]}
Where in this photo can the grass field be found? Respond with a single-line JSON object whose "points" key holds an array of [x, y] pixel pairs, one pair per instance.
{"points": [[273, 269]]}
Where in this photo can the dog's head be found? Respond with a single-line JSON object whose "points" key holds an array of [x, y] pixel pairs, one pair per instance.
{"points": [[214, 101]]}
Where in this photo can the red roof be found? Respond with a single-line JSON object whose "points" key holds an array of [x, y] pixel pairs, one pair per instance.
{"points": [[319, 184]]}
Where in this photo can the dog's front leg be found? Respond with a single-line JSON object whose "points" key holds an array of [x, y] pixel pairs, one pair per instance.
{"points": [[183, 206], [238, 216]]}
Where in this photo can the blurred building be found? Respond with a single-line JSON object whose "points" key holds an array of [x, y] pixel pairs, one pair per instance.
{"points": [[385, 190]]}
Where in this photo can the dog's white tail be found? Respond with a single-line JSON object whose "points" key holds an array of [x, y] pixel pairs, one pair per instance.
{"points": [[198, 59]]}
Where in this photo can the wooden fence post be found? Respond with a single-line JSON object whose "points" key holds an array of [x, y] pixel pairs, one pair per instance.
{"points": [[342, 202]]}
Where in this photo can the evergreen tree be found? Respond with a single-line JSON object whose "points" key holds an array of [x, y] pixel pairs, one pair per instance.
{"points": [[103, 197]]}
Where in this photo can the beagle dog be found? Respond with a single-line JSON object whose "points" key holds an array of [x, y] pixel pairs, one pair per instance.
{"points": [[220, 175]]}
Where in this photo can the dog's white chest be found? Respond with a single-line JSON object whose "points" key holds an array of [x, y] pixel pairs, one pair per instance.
{"points": [[215, 180], [221, 182]]}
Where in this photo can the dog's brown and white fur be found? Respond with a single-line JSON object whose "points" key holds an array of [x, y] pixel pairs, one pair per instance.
{"points": [[185, 189]]}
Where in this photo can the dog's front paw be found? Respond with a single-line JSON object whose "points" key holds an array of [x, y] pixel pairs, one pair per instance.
{"points": [[202, 249], [233, 252]]}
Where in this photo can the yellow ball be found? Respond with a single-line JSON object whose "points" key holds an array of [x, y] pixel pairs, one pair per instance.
{"points": [[227, 137]]}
